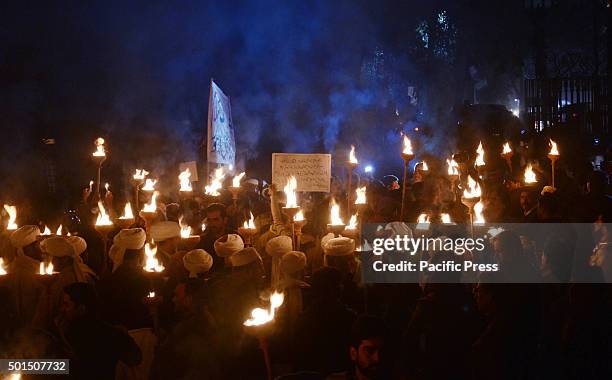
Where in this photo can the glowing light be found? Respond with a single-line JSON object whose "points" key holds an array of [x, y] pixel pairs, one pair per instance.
{"points": [[12, 213], [480, 155], [152, 205], [140, 174], [152, 264], [478, 215], [91, 186], [352, 158], [2, 267], [149, 184], [185, 183], [453, 167], [103, 217], [507, 149], [446, 219], [127, 212], [215, 183], [424, 166], [107, 187], [100, 151], [249, 224], [59, 230], [45, 269], [299, 216], [185, 229], [261, 316], [46, 232], [407, 146], [530, 176], [237, 178], [368, 169], [335, 214], [290, 192], [361, 195], [352, 223], [151, 295], [472, 190], [553, 149]]}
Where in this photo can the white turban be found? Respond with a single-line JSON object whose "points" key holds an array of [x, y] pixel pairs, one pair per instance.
{"points": [[340, 246], [129, 238], [161, 231], [292, 262], [326, 238], [245, 257], [278, 246], [24, 236], [57, 246], [197, 261], [399, 229], [228, 245], [78, 243]]}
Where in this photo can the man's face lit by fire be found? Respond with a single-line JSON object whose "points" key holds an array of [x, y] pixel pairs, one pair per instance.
{"points": [[215, 222], [367, 358]]}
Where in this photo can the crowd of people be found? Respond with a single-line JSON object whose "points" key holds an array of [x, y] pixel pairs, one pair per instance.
{"points": [[112, 319]]}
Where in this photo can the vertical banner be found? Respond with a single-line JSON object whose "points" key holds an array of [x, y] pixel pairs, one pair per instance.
{"points": [[221, 146]]}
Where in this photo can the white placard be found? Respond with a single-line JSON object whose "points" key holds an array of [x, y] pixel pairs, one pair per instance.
{"points": [[312, 171]]}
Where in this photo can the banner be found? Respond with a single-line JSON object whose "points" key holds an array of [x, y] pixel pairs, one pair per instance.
{"points": [[221, 146], [312, 171]]}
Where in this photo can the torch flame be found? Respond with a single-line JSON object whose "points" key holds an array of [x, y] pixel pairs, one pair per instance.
{"points": [[361, 195], [91, 185], [478, 216], [152, 265], [446, 219], [140, 174], [184, 180], [335, 214], [453, 167], [480, 157], [299, 216], [407, 146], [250, 224], [127, 212], [352, 223], [215, 183], [553, 149], [106, 186], [103, 217], [472, 190], [352, 158], [100, 151], [45, 270], [12, 212], [149, 185], [59, 230], [507, 149], [290, 192], [424, 167], [423, 219], [47, 231], [151, 295], [2, 268], [530, 176], [261, 316], [185, 229], [152, 205], [237, 178]]}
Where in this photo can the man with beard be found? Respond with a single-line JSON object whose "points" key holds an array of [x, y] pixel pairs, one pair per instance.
{"points": [[216, 227], [368, 338]]}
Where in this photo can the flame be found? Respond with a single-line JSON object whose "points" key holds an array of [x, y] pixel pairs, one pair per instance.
{"points": [[424, 167], [453, 167], [215, 183], [185, 229], [12, 212], [352, 158], [352, 223], [152, 205], [100, 151], [151, 295], [530, 176], [299, 216], [472, 190], [507, 149], [140, 174], [203, 226], [184, 180], [45, 270], [152, 265], [290, 192], [127, 212], [261, 316], [407, 146], [149, 185], [480, 157], [423, 219], [237, 178], [250, 224], [361, 195], [335, 214], [446, 219], [478, 216], [106, 186], [47, 231], [2, 268], [91, 185], [553, 149], [59, 230], [103, 218]]}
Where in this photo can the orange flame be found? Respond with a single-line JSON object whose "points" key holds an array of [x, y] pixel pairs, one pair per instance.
{"points": [[2, 268], [100, 151], [152, 264], [261, 316], [553, 149], [127, 212], [480, 157], [184, 180], [250, 224], [361, 195], [46, 232], [12, 212], [45, 269], [335, 214], [237, 178], [103, 217], [59, 230], [290, 192], [507, 149], [352, 158], [149, 185], [215, 183], [407, 146], [185, 229], [453, 167], [478, 215], [472, 190], [446, 219], [299, 216], [140, 174], [352, 223], [530, 176], [152, 205]]}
